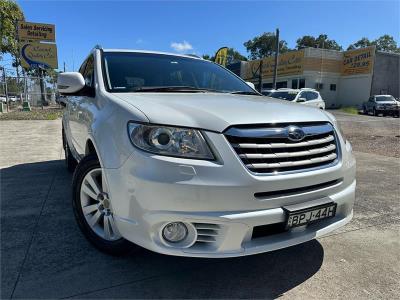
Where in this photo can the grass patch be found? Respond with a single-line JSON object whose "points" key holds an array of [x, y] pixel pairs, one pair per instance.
{"points": [[35, 114], [350, 110]]}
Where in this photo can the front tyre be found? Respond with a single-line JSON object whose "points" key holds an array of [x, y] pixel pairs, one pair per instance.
{"points": [[93, 208], [70, 161]]}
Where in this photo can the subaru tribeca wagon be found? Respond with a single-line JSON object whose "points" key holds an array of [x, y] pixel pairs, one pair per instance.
{"points": [[180, 156]]}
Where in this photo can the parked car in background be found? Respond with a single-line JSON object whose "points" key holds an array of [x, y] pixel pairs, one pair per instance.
{"points": [[180, 156], [3, 98], [13, 98], [267, 92], [305, 96], [382, 105]]}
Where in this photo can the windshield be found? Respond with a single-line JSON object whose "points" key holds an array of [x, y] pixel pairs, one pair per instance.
{"points": [[289, 95], [139, 72], [384, 98]]}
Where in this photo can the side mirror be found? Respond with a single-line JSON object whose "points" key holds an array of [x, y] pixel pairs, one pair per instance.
{"points": [[251, 85], [301, 100], [70, 82]]}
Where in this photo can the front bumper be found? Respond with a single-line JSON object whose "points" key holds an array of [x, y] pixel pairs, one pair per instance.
{"points": [[218, 201]]}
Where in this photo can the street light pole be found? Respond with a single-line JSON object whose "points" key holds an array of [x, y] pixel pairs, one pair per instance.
{"points": [[276, 58]]}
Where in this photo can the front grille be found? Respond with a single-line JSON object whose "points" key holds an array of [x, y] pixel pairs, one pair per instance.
{"points": [[272, 149]]}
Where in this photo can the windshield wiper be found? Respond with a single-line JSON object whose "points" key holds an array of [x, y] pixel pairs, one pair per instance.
{"points": [[172, 89], [245, 93]]}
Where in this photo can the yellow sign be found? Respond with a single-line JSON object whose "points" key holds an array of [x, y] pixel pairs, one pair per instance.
{"points": [[35, 55], [36, 32], [359, 61], [290, 63], [221, 56]]}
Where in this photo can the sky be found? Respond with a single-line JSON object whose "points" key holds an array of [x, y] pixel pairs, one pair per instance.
{"points": [[201, 27]]}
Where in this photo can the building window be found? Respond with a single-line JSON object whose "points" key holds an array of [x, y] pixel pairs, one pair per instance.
{"points": [[319, 86], [267, 85], [302, 83], [295, 83], [281, 84], [333, 87]]}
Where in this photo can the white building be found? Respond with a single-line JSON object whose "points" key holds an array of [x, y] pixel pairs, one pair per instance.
{"points": [[344, 78]]}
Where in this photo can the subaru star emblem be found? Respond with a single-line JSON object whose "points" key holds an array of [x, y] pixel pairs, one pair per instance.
{"points": [[295, 133]]}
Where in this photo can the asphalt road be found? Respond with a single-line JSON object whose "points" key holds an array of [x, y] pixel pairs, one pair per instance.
{"points": [[44, 255]]}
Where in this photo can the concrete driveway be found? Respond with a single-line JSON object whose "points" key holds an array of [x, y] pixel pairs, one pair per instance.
{"points": [[44, 255]]}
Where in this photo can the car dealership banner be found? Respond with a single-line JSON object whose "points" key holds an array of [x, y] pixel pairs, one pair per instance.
{"points": [[359, 61], [38, 55], [29, 31], [290, 63], [221, 56]]}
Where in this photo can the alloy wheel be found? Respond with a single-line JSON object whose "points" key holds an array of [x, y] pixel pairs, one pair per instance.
{"points": [[96, 205]]}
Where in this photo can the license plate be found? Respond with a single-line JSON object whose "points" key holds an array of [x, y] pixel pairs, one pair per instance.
{"points": [[310, 215]]}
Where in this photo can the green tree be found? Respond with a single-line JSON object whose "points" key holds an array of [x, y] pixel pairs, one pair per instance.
{"points": [[264, 45], [234, 56], [321, 41], [362, 43], [10, 14], [386, 43]]}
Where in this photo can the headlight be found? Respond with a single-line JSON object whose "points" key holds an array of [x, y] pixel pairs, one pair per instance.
{"points": [[170, 141]]}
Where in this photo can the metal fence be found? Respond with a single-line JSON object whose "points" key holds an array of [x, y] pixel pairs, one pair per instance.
{"points": [[37, 91]]}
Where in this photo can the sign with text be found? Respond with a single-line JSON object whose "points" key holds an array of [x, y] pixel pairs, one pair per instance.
{"points": [[290, 63], [359, 61], [28, 31], [38, 55]]}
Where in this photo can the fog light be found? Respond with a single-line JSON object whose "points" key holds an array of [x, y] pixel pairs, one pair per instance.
{"points": [[175, 232]]}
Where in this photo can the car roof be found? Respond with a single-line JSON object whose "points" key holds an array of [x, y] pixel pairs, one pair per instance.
{"points": [[153, 52], [297, 90]]}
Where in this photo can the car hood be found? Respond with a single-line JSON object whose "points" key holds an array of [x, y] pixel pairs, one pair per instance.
{"points": [[386, 102], [218, 111]]}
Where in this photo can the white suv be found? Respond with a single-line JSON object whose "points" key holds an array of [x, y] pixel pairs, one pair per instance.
{"points": [[180, 156], [305, 96]]}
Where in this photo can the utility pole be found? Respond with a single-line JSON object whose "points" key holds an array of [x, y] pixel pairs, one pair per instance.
{"points": [[64, 66], [5, 85], [260, 75], [42, 86], [276, 58]]}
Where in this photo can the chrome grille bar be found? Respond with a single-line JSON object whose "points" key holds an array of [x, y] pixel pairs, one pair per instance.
{"points": [[293, 163], [274, 150], [329, 138], [328, 148]]}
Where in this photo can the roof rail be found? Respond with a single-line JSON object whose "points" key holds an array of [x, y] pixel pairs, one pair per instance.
{"points": [[194, 55]]}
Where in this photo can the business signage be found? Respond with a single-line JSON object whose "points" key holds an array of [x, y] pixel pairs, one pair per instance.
{"points": [[359, 61], [290, 63], [28, 31], [38, 55], [221, 56]]}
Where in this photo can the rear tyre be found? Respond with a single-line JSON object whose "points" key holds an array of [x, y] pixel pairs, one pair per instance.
{"points": [[70, 161], [93, 208]]}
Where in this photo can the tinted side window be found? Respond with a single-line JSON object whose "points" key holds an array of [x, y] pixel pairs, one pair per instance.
{"points": [[88, 74], [303, 95], [312, 96]]}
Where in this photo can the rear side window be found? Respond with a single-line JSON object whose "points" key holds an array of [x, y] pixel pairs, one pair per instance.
{"points": [[311, 96]]}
